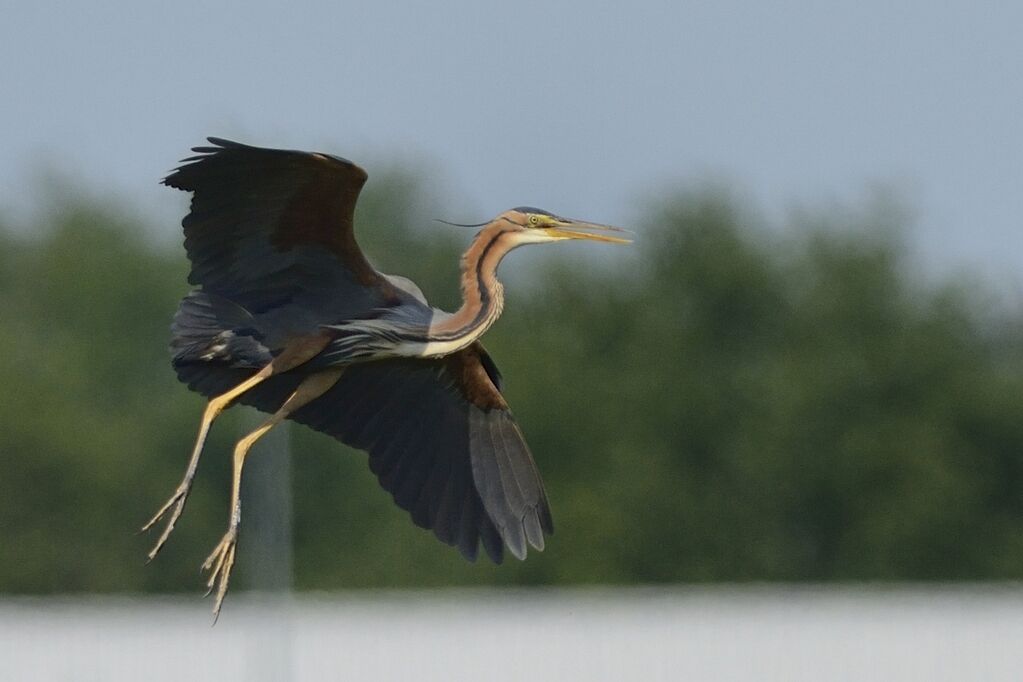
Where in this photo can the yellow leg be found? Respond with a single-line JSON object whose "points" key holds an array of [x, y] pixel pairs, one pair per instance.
{"points": [[221, 560], [213, 409]]}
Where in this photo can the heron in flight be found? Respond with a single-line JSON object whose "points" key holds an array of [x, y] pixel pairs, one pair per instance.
{"points": [[289, 317]]}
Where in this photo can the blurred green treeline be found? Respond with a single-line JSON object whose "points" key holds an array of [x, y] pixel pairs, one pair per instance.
{"points": [[717, 402]]}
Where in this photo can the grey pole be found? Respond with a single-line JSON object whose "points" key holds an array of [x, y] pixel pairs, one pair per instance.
{"points": [[265, 551]]}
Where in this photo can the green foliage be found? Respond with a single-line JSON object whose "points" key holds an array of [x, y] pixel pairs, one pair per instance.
{"points": [[738, 405]]}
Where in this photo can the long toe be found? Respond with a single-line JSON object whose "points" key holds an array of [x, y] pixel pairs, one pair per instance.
{"points": [[177, 501], [225, 577], [163, 510], [167, 530], [219, 563]]}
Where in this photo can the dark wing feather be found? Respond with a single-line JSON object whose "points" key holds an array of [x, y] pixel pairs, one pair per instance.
{"points": [[272, 226], [442, 441]]}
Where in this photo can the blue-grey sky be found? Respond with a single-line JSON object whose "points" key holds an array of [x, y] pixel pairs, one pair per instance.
{"points": [[586, 108]]}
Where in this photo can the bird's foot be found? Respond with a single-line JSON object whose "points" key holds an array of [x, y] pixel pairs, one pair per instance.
{"points": [[177, 501], [219, 564]]}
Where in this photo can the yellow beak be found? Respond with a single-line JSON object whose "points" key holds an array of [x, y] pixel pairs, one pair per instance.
{"points": [[577, 229]]}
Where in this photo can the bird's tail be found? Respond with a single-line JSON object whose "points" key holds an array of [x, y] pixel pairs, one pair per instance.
{"points": [[210, 329]]}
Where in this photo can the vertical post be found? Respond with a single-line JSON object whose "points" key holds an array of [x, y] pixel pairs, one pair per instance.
{"points": [[265, 551]]}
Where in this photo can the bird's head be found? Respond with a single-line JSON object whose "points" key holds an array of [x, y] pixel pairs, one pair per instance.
{"points": [[535, 226]]}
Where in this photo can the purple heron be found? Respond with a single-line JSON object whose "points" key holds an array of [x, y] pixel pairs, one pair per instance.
{"points": [[289, 317]]}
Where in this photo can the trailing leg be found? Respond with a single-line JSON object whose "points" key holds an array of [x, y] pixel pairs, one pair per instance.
{"points": [[221, 560], [177, 500]]}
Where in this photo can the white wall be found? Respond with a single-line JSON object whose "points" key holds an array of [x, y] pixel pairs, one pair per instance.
{"points": [[719, 634]]}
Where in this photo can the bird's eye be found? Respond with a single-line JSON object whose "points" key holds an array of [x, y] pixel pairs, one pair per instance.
{"points": [[534, 220]]}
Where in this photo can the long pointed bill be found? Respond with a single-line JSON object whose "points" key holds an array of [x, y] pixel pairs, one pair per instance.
{"points": [[575, 229]]}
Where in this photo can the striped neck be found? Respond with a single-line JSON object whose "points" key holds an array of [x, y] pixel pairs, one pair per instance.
{"points": [[482, 294]]}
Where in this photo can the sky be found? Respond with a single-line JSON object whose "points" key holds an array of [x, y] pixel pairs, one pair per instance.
{"points": [[589, 109]]}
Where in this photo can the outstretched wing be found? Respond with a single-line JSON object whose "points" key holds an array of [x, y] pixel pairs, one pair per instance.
{"points": [[272, 226], [443, 442]]}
